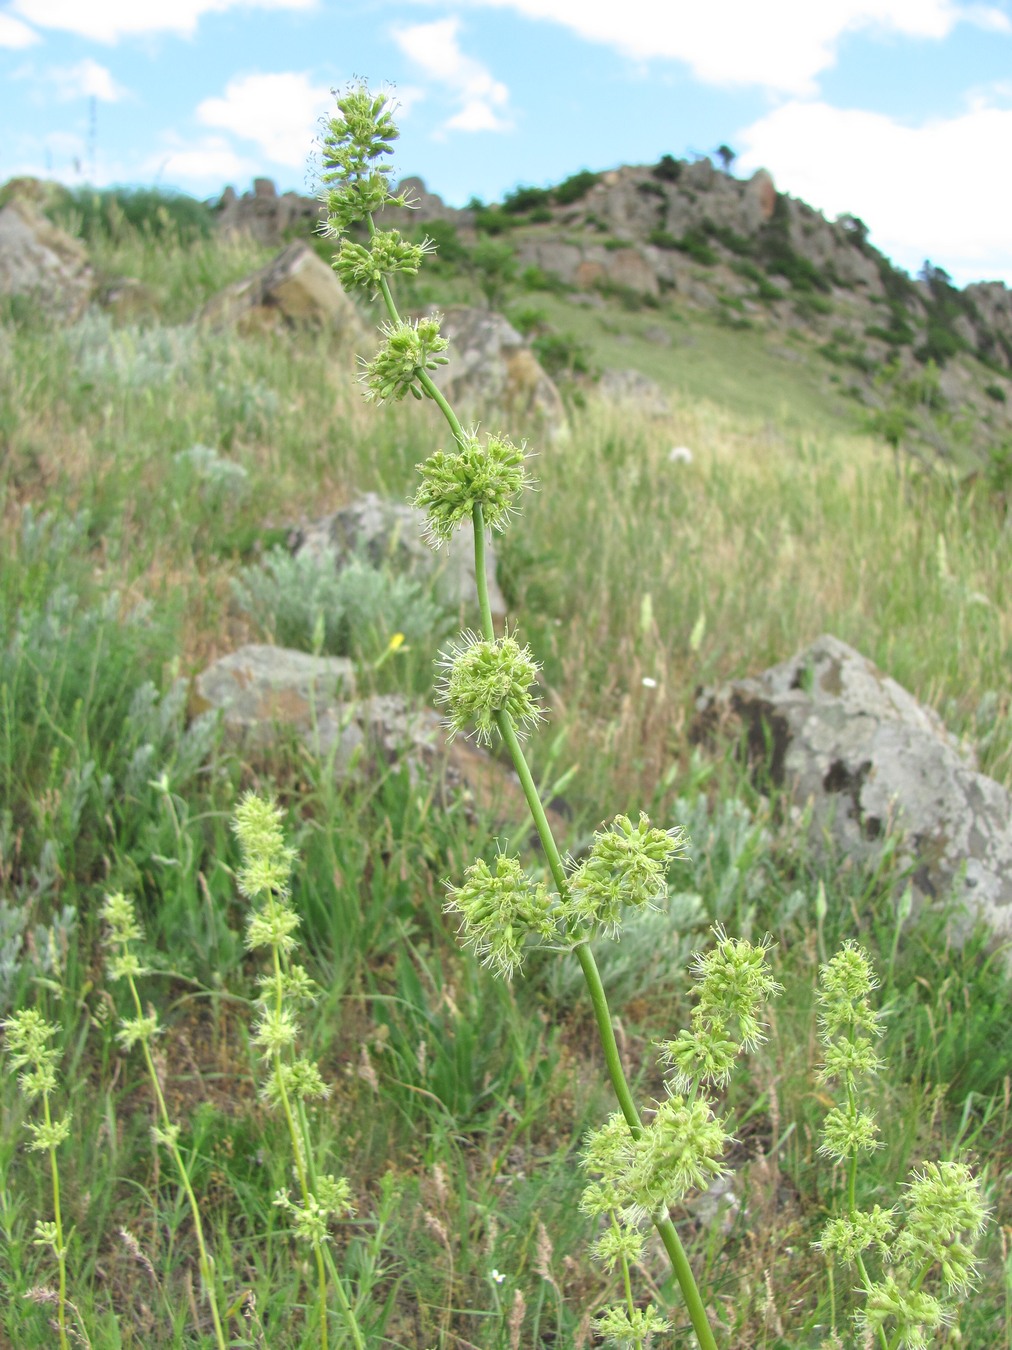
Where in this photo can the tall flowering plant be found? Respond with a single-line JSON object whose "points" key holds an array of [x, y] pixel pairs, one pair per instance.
{"points": [[489, 686]]}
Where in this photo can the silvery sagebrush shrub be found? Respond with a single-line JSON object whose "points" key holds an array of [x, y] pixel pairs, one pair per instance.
{"points": [[640, 1164], [488, 686], [354, 610]]}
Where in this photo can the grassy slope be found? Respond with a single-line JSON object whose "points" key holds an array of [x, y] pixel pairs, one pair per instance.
{"points": [[740, 370], [458, 1104]]}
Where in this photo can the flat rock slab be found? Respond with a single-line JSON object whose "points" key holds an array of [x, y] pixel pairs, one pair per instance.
{"points": [[265, 694], [836, 732], [260, 687]]}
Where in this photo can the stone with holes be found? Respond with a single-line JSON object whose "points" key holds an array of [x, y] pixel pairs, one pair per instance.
{"points": [[838, 733]]}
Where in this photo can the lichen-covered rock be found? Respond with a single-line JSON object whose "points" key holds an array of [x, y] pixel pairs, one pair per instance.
{"points": [[41, 264], [390, 532], [870, 758], [492, 373]]}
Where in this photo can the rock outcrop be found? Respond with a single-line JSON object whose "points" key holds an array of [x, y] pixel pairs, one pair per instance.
{"points": [[266, 216], [837, 733], [493, 374], [297, 287], [42, 265]]}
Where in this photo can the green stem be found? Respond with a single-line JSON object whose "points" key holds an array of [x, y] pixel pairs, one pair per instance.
{"points": [[205, 1258], [299, 1151], [61, 1256], [666, 1229]]}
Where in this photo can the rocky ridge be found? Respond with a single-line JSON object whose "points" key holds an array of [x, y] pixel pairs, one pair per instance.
{"points": [[692, 235]]}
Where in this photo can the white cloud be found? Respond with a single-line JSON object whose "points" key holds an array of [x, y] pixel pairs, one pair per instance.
{"points": [[938, 190], [86, 80], [279, 113], [781, 45], [211, 161], [109, 20], [434, 48], [15, 34]]}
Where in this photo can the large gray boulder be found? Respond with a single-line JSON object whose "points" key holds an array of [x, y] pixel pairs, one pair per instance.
{"points": [[387, 532], [492, 374], [870, 758], [42, 264]]}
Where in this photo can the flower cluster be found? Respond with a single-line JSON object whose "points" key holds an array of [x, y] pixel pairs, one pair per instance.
{"points": [[734, 982], [407, 350], [630, 1330], [846, 984], [355, 138], [265, 876], [679, 1150], [627, 866], [485, 678], [27, 1035], [330, 1200], [490, 476], [499, 909], [362, 268], [291, 1079], [931, 1235]]}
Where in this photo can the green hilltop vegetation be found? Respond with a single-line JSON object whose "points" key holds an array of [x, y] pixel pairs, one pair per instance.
{"points": [[842, 480]]}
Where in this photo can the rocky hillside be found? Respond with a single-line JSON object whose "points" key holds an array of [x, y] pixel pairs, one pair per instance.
{"points": [[931, 362]]}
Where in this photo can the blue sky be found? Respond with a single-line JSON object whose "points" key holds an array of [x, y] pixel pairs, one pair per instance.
{"points": [[898, 111]]}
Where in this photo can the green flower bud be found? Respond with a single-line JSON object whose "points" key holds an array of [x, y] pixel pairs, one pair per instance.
{"points": [[26, 1036], [847, 1131], [361, 268], [847, 1238], [361, 132], [407, 350], [627, 865], [499, 911], [914, 1314], [944, 1205], [49, 1136], [490, 476], [47, 1235], [630, 1331], [267, 861], [845, 986], [485, 678], [275, 1031], [620, 1242], [134, 1029], [119, 913]]}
